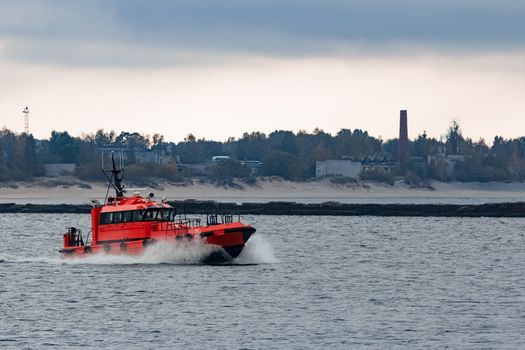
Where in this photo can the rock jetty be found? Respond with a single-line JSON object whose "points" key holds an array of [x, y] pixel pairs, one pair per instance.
{"points": [[292, 208]]}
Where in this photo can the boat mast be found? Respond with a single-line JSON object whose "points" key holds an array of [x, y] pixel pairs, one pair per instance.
{"points": [[119, 189], [115, 174]]}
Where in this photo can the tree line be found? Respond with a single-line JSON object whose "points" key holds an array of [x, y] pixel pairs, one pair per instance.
{"points": [[282, 153]]}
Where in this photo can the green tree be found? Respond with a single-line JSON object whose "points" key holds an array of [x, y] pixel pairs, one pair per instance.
{"points": [[63, 147], [253, 146], [454, 138], [282, 164]]}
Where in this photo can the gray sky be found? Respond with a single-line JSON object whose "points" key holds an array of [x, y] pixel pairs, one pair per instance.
{"points": [[218, 68]]}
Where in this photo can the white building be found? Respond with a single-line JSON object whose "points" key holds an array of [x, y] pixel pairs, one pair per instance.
{"points": [[347, 168]]}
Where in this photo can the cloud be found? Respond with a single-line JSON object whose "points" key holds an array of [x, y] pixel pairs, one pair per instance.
{"points": [[162, 32]]}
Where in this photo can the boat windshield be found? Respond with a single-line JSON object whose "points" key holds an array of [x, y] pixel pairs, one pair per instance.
{"points": [[152, 214], [162, 214]]}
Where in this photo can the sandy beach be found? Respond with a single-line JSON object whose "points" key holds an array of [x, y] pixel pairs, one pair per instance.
{"points": [[278, 190]]}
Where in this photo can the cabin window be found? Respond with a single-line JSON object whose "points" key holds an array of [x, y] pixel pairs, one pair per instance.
{"points": [[150, 215], [137, 215], [117, 217], [127, 216], [112, 218], [167, 214], [105, 218], [164, 214]]}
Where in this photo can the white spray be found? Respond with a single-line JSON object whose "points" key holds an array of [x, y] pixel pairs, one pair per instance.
{"points": [[257, 251]]}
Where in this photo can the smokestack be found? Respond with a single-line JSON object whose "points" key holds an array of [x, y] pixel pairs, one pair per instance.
{"points": [[403, 138]]}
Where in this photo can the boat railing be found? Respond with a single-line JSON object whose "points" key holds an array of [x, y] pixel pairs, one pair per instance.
{"points": [[211, 219], [190, 222], [219, 218]]}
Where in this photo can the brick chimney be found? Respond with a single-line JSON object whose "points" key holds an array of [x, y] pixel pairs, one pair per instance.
{"points": [[403, 138]]}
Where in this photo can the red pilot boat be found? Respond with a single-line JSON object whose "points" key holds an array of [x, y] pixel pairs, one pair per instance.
{"points": [[127, 225]]}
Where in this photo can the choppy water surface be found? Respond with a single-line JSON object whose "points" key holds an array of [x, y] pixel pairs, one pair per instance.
{"points": [[304, 282]]}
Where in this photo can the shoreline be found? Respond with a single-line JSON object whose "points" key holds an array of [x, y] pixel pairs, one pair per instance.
{"points": [[75, 192]]}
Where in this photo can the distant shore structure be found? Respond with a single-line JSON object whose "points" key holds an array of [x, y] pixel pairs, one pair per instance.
{"points": [[403, 137], [26, 120]]}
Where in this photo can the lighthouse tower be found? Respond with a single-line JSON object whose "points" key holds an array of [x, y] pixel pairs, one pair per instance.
{"points": [[26, 120]]}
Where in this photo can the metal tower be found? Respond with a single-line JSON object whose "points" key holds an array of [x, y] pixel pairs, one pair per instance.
{"points": [[26, 120]]}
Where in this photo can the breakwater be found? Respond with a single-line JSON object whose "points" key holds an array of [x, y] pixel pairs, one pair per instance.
{"points": [[293, 208]]}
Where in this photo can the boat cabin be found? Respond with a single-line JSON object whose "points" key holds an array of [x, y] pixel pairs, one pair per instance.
{"points": [[130, 218]]}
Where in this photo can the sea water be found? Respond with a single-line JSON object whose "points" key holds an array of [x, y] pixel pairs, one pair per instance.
{"points": [[301, 283]]}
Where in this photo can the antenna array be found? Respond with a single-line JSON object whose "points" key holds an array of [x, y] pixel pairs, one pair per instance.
{"points": [[26, 120]]}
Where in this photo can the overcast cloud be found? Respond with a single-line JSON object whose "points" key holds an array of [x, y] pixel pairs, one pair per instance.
{"points": [[220, 68], [150, 33]]}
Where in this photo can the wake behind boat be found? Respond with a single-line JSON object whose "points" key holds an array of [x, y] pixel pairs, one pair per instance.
{"points": [[127, 225]]}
